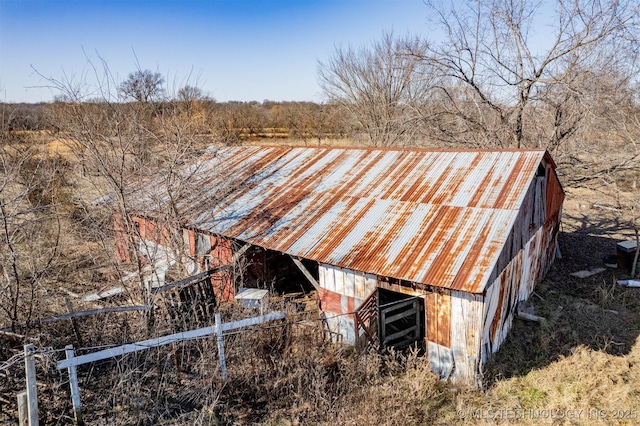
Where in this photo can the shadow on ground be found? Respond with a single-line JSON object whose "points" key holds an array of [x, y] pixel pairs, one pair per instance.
{"points": [[593, 312]]}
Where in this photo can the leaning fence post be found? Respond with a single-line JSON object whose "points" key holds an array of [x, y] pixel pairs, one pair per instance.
{"points": [[23, 412], [32, 387], [223, 363], [74, 323], [75, 391]]}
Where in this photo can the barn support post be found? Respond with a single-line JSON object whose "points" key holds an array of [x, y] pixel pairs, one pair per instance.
{"points": [[32, 387], [75, 391], [305, 272]]}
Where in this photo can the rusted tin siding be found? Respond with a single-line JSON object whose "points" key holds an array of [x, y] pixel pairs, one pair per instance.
{"points": [[341, 293], [515, 283], [466, 331], [454, 331], [438, 313], [555, 195], [121, 239]]}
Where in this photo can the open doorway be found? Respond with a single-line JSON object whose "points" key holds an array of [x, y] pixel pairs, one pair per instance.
{"points": [[401, 319], [277, 272]]}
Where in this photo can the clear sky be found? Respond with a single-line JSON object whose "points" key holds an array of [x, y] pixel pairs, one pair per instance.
{"points": [[233, 49]]}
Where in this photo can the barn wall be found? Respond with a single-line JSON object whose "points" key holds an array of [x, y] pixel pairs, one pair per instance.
{"points": [[454, 321], [529, 219], [466, 331], [341, 292], [526, 258], [199, 248], [210, 251], [437, 309], [515, 283], [121, 239]]}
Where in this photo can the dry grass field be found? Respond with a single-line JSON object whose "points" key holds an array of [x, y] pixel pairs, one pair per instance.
{"points": [[581, 365]]}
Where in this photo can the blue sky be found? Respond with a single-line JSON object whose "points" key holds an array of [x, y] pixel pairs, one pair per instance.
{"points": [[233, 49]]}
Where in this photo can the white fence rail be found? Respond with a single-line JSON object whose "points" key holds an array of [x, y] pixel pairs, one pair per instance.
{"points": [[165, 340], [73, 361]]}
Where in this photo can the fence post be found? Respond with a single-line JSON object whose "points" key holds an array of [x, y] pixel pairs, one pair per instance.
{"points": [[74, 324], [32, 387], [223, 363], [23, 412], [75, 391]]}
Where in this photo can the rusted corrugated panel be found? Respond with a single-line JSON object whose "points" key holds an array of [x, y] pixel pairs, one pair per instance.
{"points": [[121, 239], [505, 280], [431, 313], [429, 216], [508, 282], [438, 316], [555, 194]]}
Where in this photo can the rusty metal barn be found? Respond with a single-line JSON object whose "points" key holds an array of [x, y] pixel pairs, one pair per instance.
{"points": [[436, 247]]}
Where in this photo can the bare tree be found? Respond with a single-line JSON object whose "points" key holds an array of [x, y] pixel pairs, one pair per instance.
{"points": [[190, 93], [121, 145], [381, 87], [143, 86], [504, 62]]}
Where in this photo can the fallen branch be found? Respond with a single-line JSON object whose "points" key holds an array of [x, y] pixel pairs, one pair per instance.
{"points": [[94, 312], [10, 334], [529, 317], [600, 206]]}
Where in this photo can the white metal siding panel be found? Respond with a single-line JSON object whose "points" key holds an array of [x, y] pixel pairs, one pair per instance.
{"points": [[491, 302], [466, 330], [350, 283], [338, 275], [441, 359], [346, 282]]}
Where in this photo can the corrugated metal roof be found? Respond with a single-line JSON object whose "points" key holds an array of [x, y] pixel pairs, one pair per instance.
{"points": [[430, 216]]}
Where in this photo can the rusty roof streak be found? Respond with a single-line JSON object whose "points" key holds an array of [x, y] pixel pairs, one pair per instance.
{"points": [[455, 248], [439, 217], [429, 242]]}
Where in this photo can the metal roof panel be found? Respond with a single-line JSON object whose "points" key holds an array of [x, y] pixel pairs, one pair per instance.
{"points": [[438, 217]]}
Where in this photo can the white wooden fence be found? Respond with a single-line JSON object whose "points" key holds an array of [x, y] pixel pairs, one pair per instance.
{"points": [[72, 361]]}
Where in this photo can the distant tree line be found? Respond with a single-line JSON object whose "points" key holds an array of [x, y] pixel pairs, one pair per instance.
{"points": [[231, 122]]}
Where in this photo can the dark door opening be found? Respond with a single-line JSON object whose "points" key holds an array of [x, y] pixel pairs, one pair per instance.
{"points": [[277, 272], [401, 319]]}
